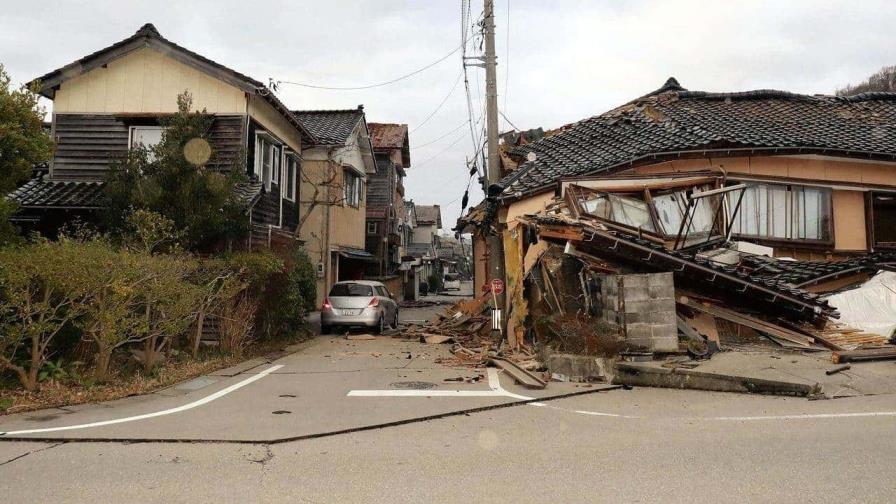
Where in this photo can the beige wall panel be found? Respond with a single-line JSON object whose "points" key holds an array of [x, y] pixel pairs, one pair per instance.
{"points": [[145, 81], [878, 174], [849, 220], [347, 224], [274, 122], [529, 205], [765, 166], [844, 171]]}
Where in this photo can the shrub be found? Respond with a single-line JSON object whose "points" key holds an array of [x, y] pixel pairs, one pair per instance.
{"points": [[236, 327], [42, 290], [23, 144], [200, 202]]}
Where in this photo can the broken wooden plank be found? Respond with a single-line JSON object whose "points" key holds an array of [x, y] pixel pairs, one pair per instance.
{"points": [[523, 377], [837, 369], [360, 337], [751, 322], [437, 339], [864, 355]]}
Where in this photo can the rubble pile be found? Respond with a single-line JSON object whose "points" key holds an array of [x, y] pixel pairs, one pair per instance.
{"points": [[677, 282], [648, 267], [467, 327]]}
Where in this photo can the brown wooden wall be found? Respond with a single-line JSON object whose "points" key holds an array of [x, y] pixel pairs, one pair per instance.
{"points": [[87, 145]]}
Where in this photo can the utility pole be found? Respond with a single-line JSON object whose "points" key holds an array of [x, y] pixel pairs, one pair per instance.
{"points": [[495, 240]]}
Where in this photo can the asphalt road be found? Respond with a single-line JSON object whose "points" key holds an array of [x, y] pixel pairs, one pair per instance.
{"points": [[641, 445]]}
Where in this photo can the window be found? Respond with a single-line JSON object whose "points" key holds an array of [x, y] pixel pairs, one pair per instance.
{"points": [[147, 136], [352, 187], [373, 228], [290, 173], [783, 212], [351, 290], [672, 207], [267, 160], [621, 209], [883, 212]]}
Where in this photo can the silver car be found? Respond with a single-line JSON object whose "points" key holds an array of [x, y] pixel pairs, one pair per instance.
{"points": [[358, 303]]}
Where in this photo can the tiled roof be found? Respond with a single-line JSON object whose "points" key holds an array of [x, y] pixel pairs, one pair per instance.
{"points": [[46, 194], [149, 36], [429, 214], [385, 136], [388, 136], [672, 120], [248, 193], [38, 193], [799, 273], [331, 127]]}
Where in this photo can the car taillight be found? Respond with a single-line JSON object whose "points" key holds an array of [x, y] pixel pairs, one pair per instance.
{"points": [[326, 306], [373, 302]]}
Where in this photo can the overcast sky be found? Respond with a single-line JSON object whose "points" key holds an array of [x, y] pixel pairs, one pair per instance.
{"points": [[567, 60]]}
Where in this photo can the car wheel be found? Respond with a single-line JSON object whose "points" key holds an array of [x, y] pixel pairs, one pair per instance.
{"points": [[380, 325], [325, 329]]}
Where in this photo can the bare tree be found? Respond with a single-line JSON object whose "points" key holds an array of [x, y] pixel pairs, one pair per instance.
{"points": [[317, 199], [883, 80]]}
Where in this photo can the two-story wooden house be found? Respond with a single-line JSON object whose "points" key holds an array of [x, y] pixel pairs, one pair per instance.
{"points": [[112, 99]]}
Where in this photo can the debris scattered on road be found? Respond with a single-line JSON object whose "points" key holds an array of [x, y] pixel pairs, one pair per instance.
{"points": [[281, 412], [881, 353], [837, 369], [360, 337]]}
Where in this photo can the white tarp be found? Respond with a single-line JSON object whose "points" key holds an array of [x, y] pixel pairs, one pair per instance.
{"points": [[871, 307]]}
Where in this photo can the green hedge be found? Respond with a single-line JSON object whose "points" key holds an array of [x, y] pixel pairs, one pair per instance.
{"points": [[123, 301]]}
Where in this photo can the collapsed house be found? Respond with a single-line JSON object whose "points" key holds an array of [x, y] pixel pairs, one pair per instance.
{"points": [[684, 218]]}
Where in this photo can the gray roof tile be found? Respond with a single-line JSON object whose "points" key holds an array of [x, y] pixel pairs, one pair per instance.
{"points": [[673, 119], [331, 127]]}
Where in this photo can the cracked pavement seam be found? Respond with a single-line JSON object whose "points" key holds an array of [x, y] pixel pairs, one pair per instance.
{"points": [[45, 448]]}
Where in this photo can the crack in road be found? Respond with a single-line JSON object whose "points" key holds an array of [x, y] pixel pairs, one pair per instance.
{"points": [[45, 448]]}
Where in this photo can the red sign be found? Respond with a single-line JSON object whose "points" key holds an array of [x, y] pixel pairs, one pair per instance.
{"points": [[497, 285]]}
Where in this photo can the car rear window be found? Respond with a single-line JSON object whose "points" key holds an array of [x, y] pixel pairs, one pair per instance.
{"points": [[350, 290], [450, 278]]}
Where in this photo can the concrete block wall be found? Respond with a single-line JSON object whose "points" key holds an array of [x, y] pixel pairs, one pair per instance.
{"points": [[643, 305]]}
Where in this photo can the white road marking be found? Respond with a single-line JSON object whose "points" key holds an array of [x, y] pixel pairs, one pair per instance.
{"points": [[496, 390], [494, 385], [205, 400], [808, 416]]}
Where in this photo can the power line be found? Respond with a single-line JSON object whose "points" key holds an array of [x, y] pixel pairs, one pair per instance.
{"points": [[446, 149], [379, 84], [508, 121], [461, 125], [440, 104]]}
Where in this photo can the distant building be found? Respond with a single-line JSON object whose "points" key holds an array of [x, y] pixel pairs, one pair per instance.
{"points": [[385, 203], [333, 195]]}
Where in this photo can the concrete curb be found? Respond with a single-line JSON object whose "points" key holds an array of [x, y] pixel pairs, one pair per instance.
{"points": [[649, 375]]}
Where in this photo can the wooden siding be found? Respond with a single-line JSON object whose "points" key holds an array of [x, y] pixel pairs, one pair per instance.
{"points": [[267, 210], [87, 145], [227, 136]]}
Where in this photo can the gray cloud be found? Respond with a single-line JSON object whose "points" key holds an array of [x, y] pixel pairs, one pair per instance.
{"points": [[568, 60]]}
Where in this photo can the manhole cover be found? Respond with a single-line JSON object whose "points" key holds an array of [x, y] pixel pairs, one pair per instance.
{"points": [[412, 385]]}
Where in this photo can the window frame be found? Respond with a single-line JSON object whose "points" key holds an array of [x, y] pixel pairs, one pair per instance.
{"points": [[376, 228], [133, 129], [265, 143], [352, 184], [289, 181], [787, 200]]}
